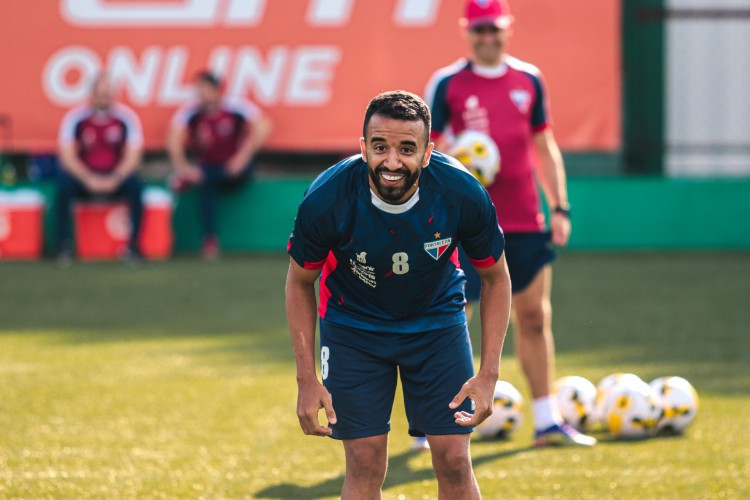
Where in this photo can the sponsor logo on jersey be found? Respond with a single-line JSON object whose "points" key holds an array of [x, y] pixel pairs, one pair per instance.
{"points": [[521, 98], [437, 248]]}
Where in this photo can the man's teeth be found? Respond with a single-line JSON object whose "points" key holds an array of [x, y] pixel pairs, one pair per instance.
{"points": [[391, 177]]}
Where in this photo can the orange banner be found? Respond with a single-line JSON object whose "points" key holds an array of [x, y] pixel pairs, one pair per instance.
{"points": [[311, 65]]}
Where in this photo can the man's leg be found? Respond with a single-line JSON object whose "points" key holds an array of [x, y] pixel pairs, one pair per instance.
{"points": [[132, 189], [534, 342], [452, 463], [209, 189], [536, 352], [366, 463], [68, 189]]}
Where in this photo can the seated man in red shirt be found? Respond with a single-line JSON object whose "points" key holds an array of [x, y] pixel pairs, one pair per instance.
{"points": [[100, 148], [223, 135]]}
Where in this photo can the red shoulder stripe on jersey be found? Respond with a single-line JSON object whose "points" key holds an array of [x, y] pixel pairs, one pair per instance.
{"points": [[325, 292], [314, 265], [488, 262], [541, 127]]}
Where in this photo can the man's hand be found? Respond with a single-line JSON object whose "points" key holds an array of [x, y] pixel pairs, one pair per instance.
{"points": [[481, 390], [235, 166], [101, 184], [190, 173], [312, 396], [560, 228]]}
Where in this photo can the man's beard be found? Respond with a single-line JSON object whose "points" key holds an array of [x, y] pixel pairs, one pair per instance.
{"points": [[393, 194]]}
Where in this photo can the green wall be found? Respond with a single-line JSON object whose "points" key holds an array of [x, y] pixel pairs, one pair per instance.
{"points": [[608, 213]]}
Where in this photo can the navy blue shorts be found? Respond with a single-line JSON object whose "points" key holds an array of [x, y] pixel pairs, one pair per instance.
{"points": [[360, 370], [526, 253]]}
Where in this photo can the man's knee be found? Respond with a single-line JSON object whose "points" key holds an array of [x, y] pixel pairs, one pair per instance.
{"points": [[533, 320], [452, 463], [366, 459]]}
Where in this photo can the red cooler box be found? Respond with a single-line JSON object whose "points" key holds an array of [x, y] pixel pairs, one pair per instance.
{"points": [[21, 215], [103, 228]]}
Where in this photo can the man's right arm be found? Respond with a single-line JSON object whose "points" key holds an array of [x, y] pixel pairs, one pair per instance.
{"points": [[302, 316], [176, 148]]}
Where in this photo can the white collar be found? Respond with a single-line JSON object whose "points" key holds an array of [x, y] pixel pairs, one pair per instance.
{"points": [[394, 209], [490, 71]]}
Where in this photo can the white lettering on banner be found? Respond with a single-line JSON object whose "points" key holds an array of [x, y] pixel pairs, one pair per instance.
{"points": [[80, 61], [196, 13], [209, 13], [297, 76], [416, 12], [310, 83], [137, 80], [172, 91], [251, 72], [329, 12]]}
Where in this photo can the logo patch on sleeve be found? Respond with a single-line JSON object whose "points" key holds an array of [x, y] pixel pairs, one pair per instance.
{"points": [[437, 248]]}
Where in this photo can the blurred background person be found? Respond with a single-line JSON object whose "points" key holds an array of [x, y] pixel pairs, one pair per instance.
{"points": [[223, 136], [506, 99], [100, 146]]}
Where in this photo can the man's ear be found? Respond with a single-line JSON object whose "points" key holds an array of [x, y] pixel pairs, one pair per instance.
{"points": [[363, 148], [428, 153]]}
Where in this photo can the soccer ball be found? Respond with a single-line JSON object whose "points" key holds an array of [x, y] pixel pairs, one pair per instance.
{"points": [[576, 397], [678, 402], [506, 412], [631, 409], [603, 389], [478, 153]]}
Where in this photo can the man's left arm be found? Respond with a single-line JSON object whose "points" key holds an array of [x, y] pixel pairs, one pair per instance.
{"points": [[131, 159], [258, 131], [494, 306], [551, 174]]}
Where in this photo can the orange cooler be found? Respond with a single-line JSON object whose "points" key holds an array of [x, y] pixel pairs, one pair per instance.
{"points": [[21, 222], [103, 228]]}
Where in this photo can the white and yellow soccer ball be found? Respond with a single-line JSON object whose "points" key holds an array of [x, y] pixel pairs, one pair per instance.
{"points": [[679, 404], [631, 410], [576, 399], [478, 153], [506, 412], [604, 387]]}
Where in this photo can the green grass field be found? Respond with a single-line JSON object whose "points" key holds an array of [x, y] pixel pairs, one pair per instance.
{"points": [[177, 381]]}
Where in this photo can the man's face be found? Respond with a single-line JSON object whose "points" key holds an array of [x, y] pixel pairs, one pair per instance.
{"points": [[395, 152], [102, 95], [208, 95], [488, 43]]}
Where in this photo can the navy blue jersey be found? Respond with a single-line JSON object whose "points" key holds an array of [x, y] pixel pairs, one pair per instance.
{"points": [[394, 268]]}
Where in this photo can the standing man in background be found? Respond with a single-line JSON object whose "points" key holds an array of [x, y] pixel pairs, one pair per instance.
{"points": [[100, 147], [505, 98], [224, 135]]}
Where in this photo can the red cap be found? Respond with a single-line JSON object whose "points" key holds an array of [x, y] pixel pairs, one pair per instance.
{"points": [[487, 12]]}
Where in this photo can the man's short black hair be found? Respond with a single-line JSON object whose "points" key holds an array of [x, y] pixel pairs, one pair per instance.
{"points": [[400, 105], [209, 78]]}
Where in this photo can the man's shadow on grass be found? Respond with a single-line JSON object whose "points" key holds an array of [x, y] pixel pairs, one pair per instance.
{"points": [[399, 472]]}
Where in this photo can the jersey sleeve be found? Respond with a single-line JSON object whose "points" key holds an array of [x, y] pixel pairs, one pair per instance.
{"points": [[249, 111], [133, 127], [70, 121], [311, 239], [435, 96], [481, 235], [540, 119]]}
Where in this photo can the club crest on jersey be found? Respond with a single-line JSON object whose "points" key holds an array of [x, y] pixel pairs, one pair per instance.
{"points": [[521, 98], [437, 248]]}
